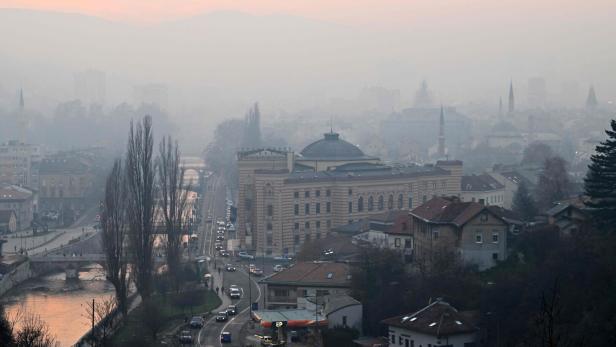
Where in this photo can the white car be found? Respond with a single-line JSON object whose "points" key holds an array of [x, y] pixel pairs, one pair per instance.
{"points": [[278, 268], [235, 293]]}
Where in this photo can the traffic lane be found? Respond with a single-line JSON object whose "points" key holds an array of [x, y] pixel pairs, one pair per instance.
{"points": [[235, 326]]}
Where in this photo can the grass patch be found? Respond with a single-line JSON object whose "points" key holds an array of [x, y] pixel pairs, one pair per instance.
{"points": [[170, 308]]}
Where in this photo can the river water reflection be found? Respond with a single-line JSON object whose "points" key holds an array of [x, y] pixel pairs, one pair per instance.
{"points": [[60, 303]]}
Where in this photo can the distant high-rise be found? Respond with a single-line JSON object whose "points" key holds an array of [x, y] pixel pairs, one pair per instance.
{"points": [[90, 87], [591, 99], [511, 98], [441, 135], [423, 96], [152, 93], [252, 128]]}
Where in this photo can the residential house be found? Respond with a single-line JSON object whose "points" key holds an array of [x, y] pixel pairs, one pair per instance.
{"points": [[438, 324], [8, 221], [20, 200], [477, 233], [340, 310], [305, 279], [389, 230], [569, 216], [483, 189]]}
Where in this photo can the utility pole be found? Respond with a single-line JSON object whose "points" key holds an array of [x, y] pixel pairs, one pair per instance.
{"points": [[249, 294]]}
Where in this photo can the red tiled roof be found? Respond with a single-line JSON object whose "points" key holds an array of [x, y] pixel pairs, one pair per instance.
{"points": [[313, 273], [447, 210]]}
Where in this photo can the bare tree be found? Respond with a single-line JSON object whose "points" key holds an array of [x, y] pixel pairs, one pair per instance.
{"points": [[100, 312], [141, 209], [114, 225], [173, 202], [33, 332]]}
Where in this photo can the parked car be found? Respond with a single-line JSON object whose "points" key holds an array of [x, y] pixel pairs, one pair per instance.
{"points": [[278, 268], [225, 337], [222, 316], [328, 252], [220, 238], [230, 268], [218, 247], [196, 322], [185, 337], [283, 258], [245, 255], [231, 310], [223, 253], [257, 272]]}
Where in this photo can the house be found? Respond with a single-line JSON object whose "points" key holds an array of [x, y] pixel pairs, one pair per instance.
{"points": [[305, 279], [8, 221], [483, 189], [477, 233], [340, 310], [389, 230], [569, 216], [438, 324], [20, 200]]}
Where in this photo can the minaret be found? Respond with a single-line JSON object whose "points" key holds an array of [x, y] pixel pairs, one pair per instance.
{"points": [[500, 108], [441, 135], [591, 99], [511, 98], [22, 122]]}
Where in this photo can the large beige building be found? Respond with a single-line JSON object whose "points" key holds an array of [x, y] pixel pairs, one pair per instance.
{"points": [[19, 164], [287, 198]]}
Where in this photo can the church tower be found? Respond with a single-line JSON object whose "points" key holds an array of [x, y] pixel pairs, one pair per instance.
{"points": [[441, 135], [591, 99], [22, 121], [500, 108], [511, 98]]}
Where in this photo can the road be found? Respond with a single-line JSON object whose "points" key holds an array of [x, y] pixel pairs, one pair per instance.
{"points": [[209, 335]]}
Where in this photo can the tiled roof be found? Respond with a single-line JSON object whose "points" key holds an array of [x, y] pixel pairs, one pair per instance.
{"points": [[313, 274], [480, 183], [447, 210], [437, 319]]}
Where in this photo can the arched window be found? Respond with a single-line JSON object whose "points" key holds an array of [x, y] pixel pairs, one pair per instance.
{"points": [[381, 203], [360, 204], [400, 201], [390, 202], [370, 203]]}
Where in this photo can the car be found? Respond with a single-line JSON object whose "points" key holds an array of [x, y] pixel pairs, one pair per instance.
{"points": [[222, 316], [231, 310], [235, 293], [225, 337], [219, 247], [245, 255], [230, 268], [223, 253], [220, 232], [328, 251], [196, 322], [220, 238], [278, 268], [283, 258], [185, 337], [257, 272]]}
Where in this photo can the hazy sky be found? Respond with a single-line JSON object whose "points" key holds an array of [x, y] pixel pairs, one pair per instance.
{"points": [[375, 13]]}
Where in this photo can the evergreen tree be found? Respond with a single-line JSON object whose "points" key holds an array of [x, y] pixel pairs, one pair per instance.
{"points": [[600, 182], [523, 202]]}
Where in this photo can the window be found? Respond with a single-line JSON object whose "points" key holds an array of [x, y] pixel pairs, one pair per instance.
{"points": [[317, 208], [307, 237], [360, 204], [296, 239], [328, 193], [410, 201], [307, 194], [318, 224], [435, 234], [483, 217], [495, 236], [443, 184], [328, 207], [307, 225], [344, 321], [270, 210], [495, 256], [296, 209], [350, 206], [296, 226], [381, 203], [407, 243], [424, 199], [281, 292], [397, 242], [400, 201], [296, 195], [350, 191], [393, 338], [318, 236], [317, 193], [478, 237], [433, 185], [269, 226], [269, 240], [307, 209], [390, 202], [323, 292], [406, 342], [329, 224], [370, 203]]}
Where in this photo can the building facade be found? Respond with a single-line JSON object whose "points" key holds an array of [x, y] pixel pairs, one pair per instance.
{"points": [[19, 164], [19, 200], [477, 233], [483, 189], [286, 199], [65, 184]]}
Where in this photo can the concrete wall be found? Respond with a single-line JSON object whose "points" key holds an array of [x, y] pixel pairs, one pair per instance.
{"points": [[21, 273]]}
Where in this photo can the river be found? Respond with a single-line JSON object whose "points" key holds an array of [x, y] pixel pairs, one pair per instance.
{"points": [[60, 303]]}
